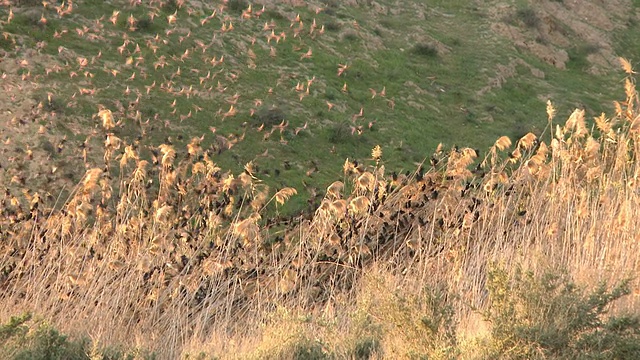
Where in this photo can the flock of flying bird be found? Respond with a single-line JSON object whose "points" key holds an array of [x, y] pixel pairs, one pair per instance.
{"points": [[193, 73]]}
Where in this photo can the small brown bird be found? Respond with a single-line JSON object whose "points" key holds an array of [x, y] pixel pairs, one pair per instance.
{"points": [[342, 68], [306, 55], [391, 103], [171, 19], [330, 105], [232, 111], [298, 129], [358, 115]]}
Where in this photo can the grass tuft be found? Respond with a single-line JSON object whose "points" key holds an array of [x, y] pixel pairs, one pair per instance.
{"points": [[427, 50]]}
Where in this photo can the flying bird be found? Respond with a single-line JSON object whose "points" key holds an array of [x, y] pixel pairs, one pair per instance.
{"points": [[306, 55], [171, 19], [342, 68], [330, 105]]}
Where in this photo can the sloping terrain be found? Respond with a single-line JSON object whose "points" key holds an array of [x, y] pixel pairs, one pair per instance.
{"points": [[294, 88], [157, 156]]}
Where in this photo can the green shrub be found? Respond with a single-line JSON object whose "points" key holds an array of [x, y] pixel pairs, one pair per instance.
{"points": [[55, 104], [309, 350], [270, 115], [340, 132], [528, 17], [20, 339], [551, 318], [578, 55], [332, 25], [28, 3], [8, 43], [199, 356], [425, 49], [238, 6], [170, 6], [274, 14], [331, 4], [145, 25], [30, 18], [349, 35], [366, 347]]}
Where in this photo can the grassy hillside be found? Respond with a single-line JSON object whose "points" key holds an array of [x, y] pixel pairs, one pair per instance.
{"points": [[156, 158], [413, 75]]}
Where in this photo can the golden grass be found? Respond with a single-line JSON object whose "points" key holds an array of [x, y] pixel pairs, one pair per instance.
{"points": [[177, 256]]}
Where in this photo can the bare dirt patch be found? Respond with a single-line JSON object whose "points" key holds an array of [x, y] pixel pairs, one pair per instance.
{"points": [[504, 72], [548, 28]]}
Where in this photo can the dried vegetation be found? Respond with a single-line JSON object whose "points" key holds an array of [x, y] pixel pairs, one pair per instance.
{"points": [[175, 251]]}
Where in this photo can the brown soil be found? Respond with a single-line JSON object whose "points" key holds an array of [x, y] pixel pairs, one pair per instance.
{"points": [[559, 25]]}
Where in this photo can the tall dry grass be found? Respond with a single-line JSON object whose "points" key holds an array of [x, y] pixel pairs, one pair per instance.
{"points": [[174, 255]]}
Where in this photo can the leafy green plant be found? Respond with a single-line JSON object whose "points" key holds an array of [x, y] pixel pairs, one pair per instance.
{"points": [[21, 339], [170, 6], [339, 133], [331, 4], [550, 317], [578, 55], [145, 24], [349, 35]]}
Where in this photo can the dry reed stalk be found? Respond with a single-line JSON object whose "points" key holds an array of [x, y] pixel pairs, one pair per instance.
{"points": [[176, 265]]}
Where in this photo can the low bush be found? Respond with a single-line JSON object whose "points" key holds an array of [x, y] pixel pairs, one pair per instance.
{"points": [[20, 338], [23, 338], [528, 17], [425, 49], [238, 6], [550, 317], [270, 115]]}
